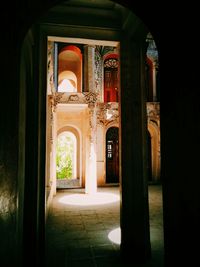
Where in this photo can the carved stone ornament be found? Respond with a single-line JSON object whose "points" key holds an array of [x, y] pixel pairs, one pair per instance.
{"points": [[153, 113], [90, 99], [73, 98], [107, 113], [55, 99]]}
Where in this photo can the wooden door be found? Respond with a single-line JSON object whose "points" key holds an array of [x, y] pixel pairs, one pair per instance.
{"points": [[112, 155]]}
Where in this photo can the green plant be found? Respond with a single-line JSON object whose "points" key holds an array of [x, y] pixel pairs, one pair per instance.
{"points": [[64, 157]]}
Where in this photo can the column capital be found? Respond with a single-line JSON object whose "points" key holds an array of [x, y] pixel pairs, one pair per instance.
{"points": [[90, 99]]}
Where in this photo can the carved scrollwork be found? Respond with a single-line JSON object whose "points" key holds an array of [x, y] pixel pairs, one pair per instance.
{"points": [[73, 98], [90, 99], [153, 113], [55, 99], [107, 113]]}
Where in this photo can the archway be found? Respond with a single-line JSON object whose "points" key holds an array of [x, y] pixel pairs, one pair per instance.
{"points": [[66, 159], [71, 149], [132, 133], [67, 82]]}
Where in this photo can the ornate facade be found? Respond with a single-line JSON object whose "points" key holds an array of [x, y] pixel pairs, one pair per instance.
{"points": [[92, 112]]}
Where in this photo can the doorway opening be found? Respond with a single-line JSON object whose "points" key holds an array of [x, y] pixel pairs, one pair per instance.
{"points": [[112, 155], [76, 98], [76, 86], [66, 160]]}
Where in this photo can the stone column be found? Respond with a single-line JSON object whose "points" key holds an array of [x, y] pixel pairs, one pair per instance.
{"points": [[53, 139], [89, 68], [154, 81], [91, 173], [89, 86], [98, 79], [53, 152], [135, 233]]}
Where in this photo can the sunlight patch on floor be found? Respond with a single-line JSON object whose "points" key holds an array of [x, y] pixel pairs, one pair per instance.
{"points": [[115, 236], [89, 199]]}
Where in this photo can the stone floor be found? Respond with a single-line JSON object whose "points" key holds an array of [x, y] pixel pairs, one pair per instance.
{"points": [[77, 231]]}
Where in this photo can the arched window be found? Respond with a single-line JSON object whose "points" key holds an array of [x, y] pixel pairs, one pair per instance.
{"points": [[111, 80], [67, 82], [70, 69]]}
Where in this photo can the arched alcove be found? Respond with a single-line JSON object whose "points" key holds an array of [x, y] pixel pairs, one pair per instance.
{"points": [[70, 68]]}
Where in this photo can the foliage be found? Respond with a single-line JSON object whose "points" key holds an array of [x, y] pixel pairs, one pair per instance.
{"points": [[64, 157]]}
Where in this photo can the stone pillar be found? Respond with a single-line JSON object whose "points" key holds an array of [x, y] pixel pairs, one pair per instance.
{"points": [[50, 69], [98, 79], [55, 99], [53, 151], [135, 233], [89, 68], [154, 82], [89, 86], [91, 173]]}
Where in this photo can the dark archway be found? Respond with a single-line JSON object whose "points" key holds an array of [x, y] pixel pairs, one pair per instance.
{"points": [[132, 133]]}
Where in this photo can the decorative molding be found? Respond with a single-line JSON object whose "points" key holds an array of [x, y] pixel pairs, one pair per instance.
{"points": [[153, 113], [55, 99], [50, 78], [153, 109], [90, 99], [107, 113], [111, 63], [98, 72], [73, 98]]}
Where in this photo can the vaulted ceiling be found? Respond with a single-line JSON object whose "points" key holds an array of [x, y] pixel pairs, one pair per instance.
{"points": [[93, 13]]}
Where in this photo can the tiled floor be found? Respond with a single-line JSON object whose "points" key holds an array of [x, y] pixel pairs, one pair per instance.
{"points": [[77, 235]]}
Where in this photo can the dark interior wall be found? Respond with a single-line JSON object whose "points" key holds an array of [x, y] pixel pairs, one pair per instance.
{"points": [[180, 138], [175, 32], [180, 146], [8, 144]]}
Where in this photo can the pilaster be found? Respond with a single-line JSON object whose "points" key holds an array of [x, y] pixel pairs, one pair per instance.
{"points": [[89, 71], [91, 175]]}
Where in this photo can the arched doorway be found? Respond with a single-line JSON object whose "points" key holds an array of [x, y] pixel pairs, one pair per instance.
{"points": [[112, 155], [66, 159], [132, 133]]}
